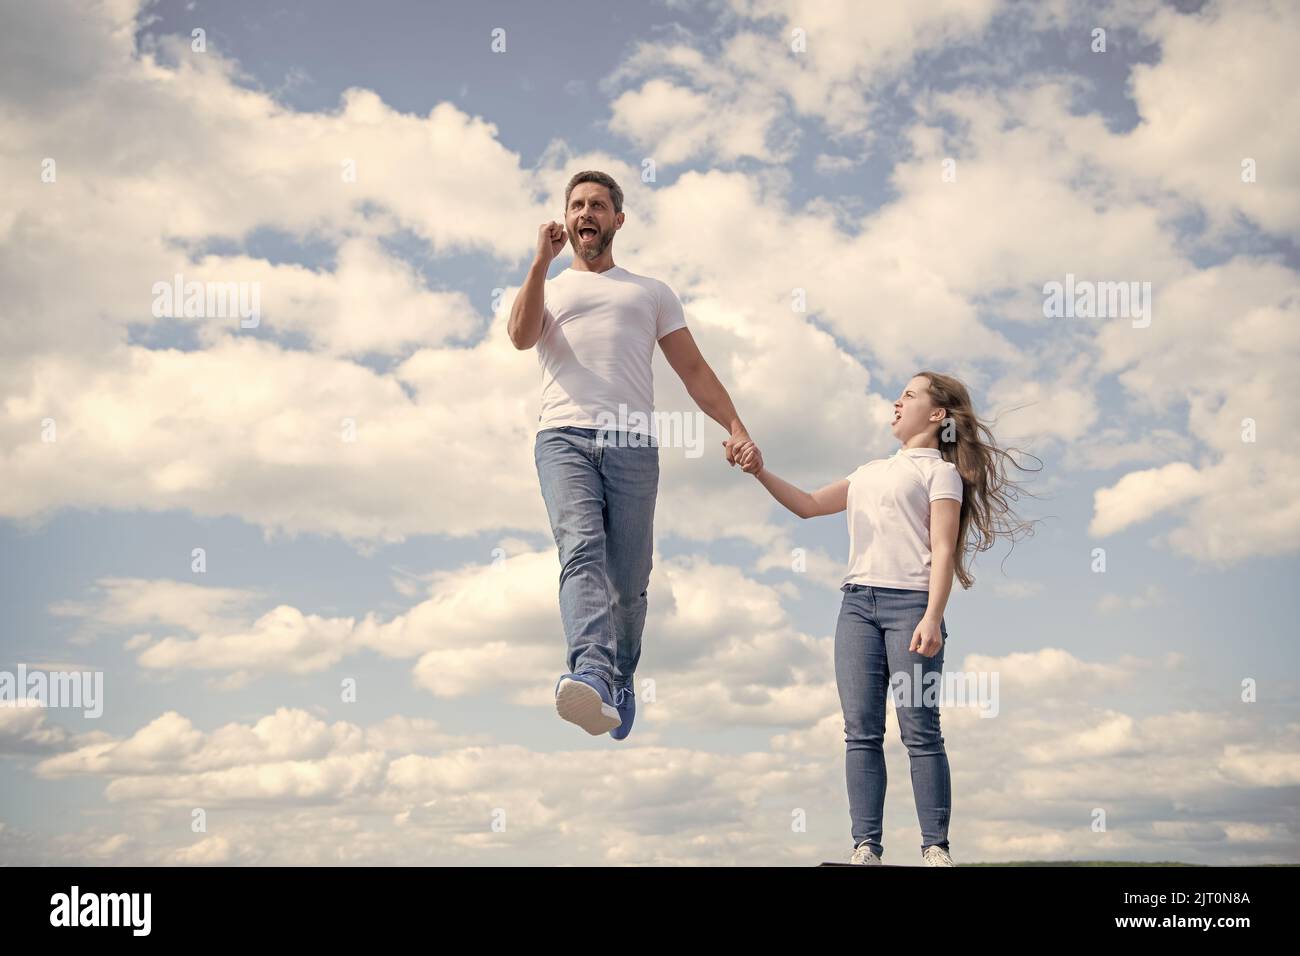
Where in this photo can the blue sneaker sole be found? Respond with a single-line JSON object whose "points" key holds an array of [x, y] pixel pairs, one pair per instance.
{"points": [[579, 704]]}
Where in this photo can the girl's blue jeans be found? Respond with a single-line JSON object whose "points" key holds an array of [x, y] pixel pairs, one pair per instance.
{"points": [[871, 652]]}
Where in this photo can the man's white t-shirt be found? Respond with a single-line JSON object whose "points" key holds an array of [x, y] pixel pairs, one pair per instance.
{"points": [[889, 517], [599, 331]]}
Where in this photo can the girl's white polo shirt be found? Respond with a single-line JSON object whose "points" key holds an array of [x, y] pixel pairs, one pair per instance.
{"points": [[889, 517]]}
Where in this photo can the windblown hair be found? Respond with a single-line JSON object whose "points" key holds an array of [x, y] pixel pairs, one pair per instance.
{"points": [[987, 492], [595, 176]]}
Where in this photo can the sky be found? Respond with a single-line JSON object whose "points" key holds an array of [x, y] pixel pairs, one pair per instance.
{"points": [[308, 555]]}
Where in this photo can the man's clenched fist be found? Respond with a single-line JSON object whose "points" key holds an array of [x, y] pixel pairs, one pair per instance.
{"points": [[551, 238]]}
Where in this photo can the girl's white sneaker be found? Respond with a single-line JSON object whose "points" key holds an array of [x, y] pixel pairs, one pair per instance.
{"points": [[936, 856], [866, 856]]}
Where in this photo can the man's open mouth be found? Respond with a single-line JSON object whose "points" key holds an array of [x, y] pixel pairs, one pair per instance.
{"points": [[587, 232]]}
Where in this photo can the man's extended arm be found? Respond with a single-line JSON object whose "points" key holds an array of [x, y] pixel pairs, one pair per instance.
{"points": [[703, 386]]}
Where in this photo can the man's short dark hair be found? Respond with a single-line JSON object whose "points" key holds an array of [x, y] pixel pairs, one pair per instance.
{"points": [[595, 176]]}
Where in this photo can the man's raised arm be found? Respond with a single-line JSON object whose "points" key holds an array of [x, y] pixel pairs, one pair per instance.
{"points": [[525, 325]]}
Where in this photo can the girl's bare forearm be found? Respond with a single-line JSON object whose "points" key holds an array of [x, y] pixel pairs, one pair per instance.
{"points": [[795, 499], [942, 566]]}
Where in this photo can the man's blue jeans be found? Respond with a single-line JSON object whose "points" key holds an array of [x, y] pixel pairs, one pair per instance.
{"points": [[871, 649], [600, 491]]}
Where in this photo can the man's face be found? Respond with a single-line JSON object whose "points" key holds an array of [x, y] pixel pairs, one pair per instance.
{"points": [[591, 220]]}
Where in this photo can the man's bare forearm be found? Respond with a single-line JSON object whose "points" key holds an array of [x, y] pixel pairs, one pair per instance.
{"points": [[712, 398], [525, 325]]}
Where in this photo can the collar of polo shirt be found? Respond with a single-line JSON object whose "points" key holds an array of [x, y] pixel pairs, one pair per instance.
{"points": [[923, 452]]}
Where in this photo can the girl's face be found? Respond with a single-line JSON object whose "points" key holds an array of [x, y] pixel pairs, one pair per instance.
{"points": [[914, 412]]}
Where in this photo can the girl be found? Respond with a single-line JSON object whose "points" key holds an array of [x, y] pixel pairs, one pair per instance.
{"points": [[909, 518]]}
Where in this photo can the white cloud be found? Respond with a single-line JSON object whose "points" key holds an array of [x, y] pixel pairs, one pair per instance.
{"points": [[1224, 340], [1151, 596], [1261, 766], [370, 302], [24, 729], [675, 124], [496, 627], [213, 849], [821, 59], [282, 638], [139, 602], [1140, 495], [1218, 96]]}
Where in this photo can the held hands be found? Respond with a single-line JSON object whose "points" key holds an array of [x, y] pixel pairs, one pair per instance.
{"points": [[927, 639], [741, 450]]}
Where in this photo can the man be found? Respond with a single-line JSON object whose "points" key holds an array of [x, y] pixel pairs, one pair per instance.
{"points": [[595, 326]]}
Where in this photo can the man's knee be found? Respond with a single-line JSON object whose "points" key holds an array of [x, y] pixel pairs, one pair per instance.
{"points": [[629, 576], [577, 551], [628, 598]]}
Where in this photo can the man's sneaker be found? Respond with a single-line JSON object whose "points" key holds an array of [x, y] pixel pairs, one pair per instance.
{"points": [[625, 701], [865, 855], [584, 699], [936, 856]]}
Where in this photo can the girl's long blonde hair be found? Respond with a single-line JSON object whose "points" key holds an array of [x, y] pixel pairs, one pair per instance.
{"points": [[987, 491]]}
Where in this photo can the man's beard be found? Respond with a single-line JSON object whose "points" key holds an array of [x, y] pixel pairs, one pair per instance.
{"points": [[596, 248]]}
